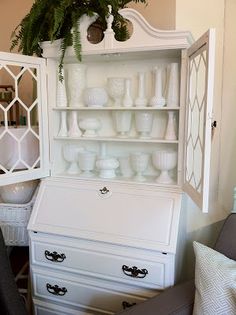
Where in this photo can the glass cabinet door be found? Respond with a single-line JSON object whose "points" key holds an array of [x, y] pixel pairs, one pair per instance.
{"points": [[199, 101], [23, 118]]}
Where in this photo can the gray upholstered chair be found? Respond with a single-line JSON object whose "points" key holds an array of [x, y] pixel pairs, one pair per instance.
{"points": [[179, 299], [11, 303]]}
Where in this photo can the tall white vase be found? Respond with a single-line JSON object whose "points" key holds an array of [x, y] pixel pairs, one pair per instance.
{"points": [[158, 100], [170, 133], [141, 100], [61, 100], [63, 132], [173, 86], [74, 130], [127, 101], [76, 82]]}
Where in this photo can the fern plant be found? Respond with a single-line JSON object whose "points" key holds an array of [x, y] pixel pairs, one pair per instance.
{"points": [[49, 20]]}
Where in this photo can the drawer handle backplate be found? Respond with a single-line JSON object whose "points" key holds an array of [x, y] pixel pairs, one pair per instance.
{"points": [[134, 272], [126, 304], [54, 256], [55, 289]]}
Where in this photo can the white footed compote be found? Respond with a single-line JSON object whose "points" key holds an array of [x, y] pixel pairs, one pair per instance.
{"points": [[122, 122], [139, 162], [75, 75], [95, 97], [74, 130], [125, 166], [87, 161], [90, 126], [127, 100], [116, 90], [143, 124], [141, 100], [105, 164], [158, 99], [165, 161], [173, 86], [70, 154]]}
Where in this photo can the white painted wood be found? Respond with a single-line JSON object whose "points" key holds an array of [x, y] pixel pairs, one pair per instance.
{"points": [[42, 308], [137, 217], [84, 292], [28, 63], [196, 177], [144, 38], [105, 262], [136, 224]]}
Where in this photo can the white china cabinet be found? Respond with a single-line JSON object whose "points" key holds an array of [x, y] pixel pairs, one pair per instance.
{"points": [[129, 131]]}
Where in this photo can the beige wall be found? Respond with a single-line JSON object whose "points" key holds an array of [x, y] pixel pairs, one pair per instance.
{"points": [[12, 12], [159, 13]]}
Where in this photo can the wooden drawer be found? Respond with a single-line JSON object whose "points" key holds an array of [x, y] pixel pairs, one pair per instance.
{"points": [[128, 215], [110, 262], [104, 297]]}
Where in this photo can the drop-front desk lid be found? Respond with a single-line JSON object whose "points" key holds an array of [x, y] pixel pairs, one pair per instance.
{"points": [[132, 215]]}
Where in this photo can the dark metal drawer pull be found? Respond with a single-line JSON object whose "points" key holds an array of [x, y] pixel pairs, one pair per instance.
{"points": [[134, 272], [126, 304], [55, 289], [104, 191], [54, 256]]}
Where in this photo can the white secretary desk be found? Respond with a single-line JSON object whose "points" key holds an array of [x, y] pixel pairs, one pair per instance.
{"points": [[100, 245]]}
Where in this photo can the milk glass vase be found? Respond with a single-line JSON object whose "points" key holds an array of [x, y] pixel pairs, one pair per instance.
{"points": [[173, 86], [76, 81], [158, 99], [62, 102]]}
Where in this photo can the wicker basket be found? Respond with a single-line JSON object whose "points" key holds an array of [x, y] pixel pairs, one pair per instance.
{"points": [[14, 220]]}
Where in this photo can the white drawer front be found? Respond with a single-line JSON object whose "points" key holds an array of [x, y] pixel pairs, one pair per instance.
{"points": [[82, 293], [42, 308], [153, 274], [135, 217]]}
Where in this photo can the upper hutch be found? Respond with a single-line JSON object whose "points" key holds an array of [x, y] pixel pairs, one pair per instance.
{"points": [[106, 237]]}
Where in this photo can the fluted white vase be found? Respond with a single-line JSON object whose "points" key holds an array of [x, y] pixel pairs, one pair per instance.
{"points": [[141, 100], [74, 130], [127, 101], [158, 99], [171, 133], [63, 132], [61, 92], [173, 86]]}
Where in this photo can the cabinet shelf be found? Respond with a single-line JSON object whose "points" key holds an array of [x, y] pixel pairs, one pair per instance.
{"points": [[150, 180], [111, 108], [114, 139]]}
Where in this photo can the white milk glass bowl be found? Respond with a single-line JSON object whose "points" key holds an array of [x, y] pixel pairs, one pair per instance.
{"points": [[87, 161], [95, 97], [165, 161], [139, 162], [18, 193], [116, 89], [107, 167], [90, 126]]}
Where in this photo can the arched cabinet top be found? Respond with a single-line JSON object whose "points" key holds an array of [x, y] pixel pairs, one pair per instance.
{"points": [[144, 38]]}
